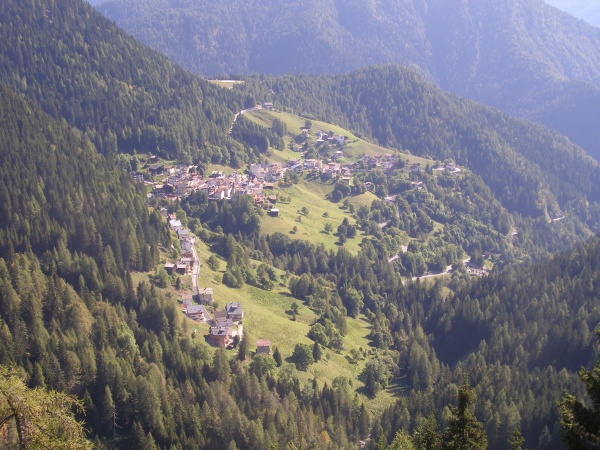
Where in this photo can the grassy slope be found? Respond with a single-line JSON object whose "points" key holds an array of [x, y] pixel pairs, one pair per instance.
{"points": [[228, 84], [354, 150], [266, 316], [312, 195]]}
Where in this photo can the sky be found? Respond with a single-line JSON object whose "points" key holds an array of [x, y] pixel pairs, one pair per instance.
{"points": [[588, 10]]}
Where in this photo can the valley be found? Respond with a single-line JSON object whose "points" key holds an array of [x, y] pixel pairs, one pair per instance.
{"points": [[340, 260]]}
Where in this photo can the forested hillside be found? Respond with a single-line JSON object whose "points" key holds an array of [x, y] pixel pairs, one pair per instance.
{"points": [[83, 306], [61, 199], [79, 66], [524, 56], [521, 336]]}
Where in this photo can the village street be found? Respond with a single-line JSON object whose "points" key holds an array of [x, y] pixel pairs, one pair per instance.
{"points": [[445, 272], [195, 271]]}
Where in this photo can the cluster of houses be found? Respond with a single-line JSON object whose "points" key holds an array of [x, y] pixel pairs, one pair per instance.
{"points": [[224, 325], [387, 163], [178, 181], [317, 167], [186, 240]]}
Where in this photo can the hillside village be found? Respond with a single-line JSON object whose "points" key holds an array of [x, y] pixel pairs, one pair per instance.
{"points": [[175, 182], [225, 327]]}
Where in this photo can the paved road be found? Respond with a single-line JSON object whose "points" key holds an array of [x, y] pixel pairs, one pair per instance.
{"points": [[243, 111], [445, 272], [403, 249], [195, 271]]}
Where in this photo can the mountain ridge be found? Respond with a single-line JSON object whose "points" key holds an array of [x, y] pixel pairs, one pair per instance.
{"points": [[524, 57]]}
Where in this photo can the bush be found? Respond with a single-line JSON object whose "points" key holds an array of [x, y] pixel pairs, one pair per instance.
{"points": [[302, 357]]}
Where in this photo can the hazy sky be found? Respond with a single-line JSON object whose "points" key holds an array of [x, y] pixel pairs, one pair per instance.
{"points": [[588, 10]]}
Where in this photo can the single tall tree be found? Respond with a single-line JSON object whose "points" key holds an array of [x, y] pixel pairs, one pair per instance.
{"points": [[464, 431]]}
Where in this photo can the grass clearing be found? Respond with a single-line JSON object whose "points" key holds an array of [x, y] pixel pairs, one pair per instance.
{"points": [[267, 316], [311, 194], [355, 149], [228, 84]]}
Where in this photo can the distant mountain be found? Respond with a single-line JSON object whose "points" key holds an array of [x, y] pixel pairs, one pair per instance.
{"points": [[78, 65], [522, 56], [588, 10]]}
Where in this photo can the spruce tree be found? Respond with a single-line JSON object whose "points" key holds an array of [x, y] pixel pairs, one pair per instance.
{"points": [[516, 440], [277, 357], [243, 347], [427, 436], [464, 431], [317, 352]]}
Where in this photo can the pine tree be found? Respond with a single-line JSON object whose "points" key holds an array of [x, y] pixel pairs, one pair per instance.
{"points": [[243, 347], [277, 357], [464, 431], [317, 352], [516, 440], [426, 436], [402, 441], [42, 419], [580, 424]]}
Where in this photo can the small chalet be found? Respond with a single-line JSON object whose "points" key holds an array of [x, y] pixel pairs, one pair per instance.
{"points": [[198, 312], [137, 176], [170, 268], [181, 269], [224, 322], [451, 167], [220, 336], [220, 315], [187, 248], [415, 168], [157, 169], [186, 300], [188, 261], [263, 346], [181, 188], [234, 311], [205, 296], [184, 233], [274, 212]]}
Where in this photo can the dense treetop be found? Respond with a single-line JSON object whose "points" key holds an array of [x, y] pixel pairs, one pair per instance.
{"points": [[58, 195], [79, 66]]}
